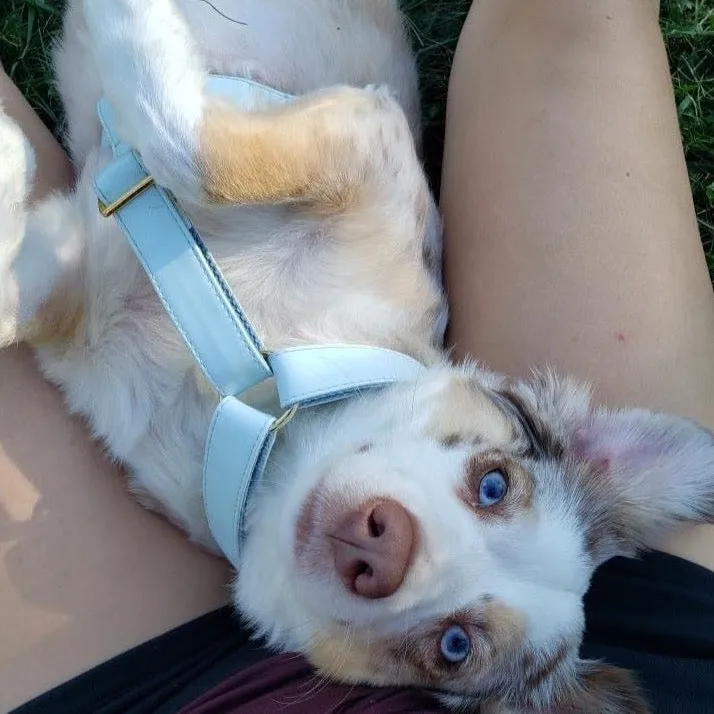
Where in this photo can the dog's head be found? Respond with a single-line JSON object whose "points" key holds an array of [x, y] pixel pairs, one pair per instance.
{"points": [[442, 534]]}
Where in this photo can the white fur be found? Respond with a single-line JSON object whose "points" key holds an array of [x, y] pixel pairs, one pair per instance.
{"points": [[16, 176], [70, 284], [140, 73], [424, 476]]}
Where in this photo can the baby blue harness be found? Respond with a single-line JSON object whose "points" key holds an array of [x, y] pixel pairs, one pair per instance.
{"points": [[219, 334]]}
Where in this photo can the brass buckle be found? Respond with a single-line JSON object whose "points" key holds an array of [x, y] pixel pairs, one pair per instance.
{"points": [[108, 209], [284, 419]]}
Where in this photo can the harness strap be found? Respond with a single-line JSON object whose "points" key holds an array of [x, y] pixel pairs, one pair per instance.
{"points": [[184, 275], [219, 334], [318, 374], [239, 443]]}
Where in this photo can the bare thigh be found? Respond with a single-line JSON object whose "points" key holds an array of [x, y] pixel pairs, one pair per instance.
{"points": [[85, 572], [571, 235]]}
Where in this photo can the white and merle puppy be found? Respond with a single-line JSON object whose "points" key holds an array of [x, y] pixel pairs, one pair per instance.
{"points": [[438, 534]]}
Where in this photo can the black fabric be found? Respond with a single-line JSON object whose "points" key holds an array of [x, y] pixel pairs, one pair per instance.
{"points": [[654, 616], [160, 676]]}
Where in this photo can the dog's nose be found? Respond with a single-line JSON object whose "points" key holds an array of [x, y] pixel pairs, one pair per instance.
{"points": [[372, 548]]}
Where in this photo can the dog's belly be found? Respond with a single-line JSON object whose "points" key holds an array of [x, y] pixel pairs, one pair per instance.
{"points": [[296, 47], [302, 46]]}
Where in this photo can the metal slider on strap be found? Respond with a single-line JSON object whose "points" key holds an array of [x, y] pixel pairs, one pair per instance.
{"points": [[287, 416], [107, 209], [284, 419]]}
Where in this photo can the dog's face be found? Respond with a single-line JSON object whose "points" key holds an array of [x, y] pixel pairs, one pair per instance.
{"points": [[444, 533]]}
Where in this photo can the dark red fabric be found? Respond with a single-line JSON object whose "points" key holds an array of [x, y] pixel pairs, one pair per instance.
{"points": [[287, 684]]}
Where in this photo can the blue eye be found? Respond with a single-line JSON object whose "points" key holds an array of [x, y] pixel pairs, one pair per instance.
{"points": [[455, 644], [492, 488]]}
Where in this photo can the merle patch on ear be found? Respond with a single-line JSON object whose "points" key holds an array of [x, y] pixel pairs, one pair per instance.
{"points": [[601, 689], [655, 471], [640, 474], [596, 689]]}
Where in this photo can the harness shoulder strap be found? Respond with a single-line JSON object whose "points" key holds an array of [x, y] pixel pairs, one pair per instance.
{"points": [[314, 375], [187, 280], [239, 443]]}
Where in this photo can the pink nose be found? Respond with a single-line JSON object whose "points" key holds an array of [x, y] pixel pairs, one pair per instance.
{"points": [[372, 548]]}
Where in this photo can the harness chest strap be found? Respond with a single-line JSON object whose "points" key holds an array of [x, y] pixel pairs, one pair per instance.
{"points": [[219, 334]]}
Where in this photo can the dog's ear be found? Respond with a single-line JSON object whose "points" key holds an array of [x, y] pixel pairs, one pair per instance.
{"points": [[600, 689], [635, 474], [597, 689], [650, 473]]}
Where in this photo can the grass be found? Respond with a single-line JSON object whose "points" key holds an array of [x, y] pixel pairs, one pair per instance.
{"points": [[26, 31], [27, 28], [688, 26]]}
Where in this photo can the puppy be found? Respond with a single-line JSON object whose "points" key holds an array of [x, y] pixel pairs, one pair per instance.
{"points": [[439, 533]]}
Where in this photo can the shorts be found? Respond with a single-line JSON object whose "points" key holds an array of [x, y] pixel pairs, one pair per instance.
{"points": [[654, 616]]}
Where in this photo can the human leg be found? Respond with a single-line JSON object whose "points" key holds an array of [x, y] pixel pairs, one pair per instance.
{"points": [[85, 572], [571, 236]]}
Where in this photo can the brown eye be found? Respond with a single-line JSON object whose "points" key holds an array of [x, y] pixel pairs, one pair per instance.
{"points": [[492, 488]]}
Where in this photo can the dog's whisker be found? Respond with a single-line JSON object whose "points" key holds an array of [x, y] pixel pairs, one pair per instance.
{"points": [[221, 13]]}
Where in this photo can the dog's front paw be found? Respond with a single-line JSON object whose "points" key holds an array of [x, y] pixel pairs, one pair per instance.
{"points": [[17, 168], [17, 172]]}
